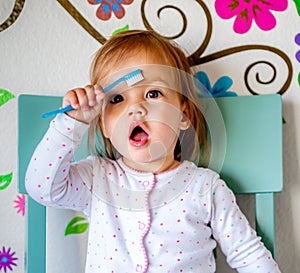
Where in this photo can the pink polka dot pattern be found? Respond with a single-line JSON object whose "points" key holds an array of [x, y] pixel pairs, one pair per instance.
{"points": [[141, 222]]}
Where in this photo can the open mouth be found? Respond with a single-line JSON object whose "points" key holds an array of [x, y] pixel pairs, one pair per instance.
{"points": [[138, 135]]}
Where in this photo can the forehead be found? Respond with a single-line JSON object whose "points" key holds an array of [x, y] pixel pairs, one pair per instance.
{"points": [[122, 60], [152, 74]]}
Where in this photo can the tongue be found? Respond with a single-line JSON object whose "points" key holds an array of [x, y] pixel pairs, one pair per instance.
{"points": [[139, 136]]}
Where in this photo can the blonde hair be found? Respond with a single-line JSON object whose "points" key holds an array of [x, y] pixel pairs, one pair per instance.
{"points": [[190, 141]]}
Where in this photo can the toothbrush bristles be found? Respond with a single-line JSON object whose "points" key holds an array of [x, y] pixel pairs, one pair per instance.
{"points": [[134, 77]]}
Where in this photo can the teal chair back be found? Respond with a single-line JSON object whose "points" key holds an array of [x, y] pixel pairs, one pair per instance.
{"points": [[249, 152]]}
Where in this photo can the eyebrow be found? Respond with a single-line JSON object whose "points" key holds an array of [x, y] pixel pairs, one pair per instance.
{"points": [[156, 81]]}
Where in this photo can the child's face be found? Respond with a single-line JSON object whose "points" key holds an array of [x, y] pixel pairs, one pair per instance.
{"points": [[143, 121]]}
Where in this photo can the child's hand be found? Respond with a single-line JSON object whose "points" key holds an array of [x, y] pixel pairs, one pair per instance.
{"points": [[87, 102]]}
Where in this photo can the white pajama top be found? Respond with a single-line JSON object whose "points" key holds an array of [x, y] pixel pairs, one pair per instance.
{"points": [[142, 222]]}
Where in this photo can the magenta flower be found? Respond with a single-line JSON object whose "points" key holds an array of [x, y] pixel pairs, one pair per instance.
{"points": [[108, 6], [20, 204], [248, 10], [7, 259]]}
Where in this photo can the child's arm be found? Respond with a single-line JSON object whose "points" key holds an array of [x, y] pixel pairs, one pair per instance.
{"points": [[51, 178], [239, 242]]}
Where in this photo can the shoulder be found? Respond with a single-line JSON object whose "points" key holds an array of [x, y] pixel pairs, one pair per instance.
{"points": [[204, 179], [204, 173], [93, 164]]}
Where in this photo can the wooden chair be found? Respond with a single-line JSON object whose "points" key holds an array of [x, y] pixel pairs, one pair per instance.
{"points": [[250, 162]]}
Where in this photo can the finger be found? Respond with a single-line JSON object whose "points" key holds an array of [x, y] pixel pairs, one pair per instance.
{"points": [[99, 93], [71, 98], [91, 96], [83, 99], [98, 89]]}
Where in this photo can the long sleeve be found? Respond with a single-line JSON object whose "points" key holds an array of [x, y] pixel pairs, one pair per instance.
{"points": [[239, 242], [51, 178]]}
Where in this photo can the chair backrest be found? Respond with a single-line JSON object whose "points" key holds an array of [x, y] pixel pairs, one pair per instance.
{"points": [[251, 163]]}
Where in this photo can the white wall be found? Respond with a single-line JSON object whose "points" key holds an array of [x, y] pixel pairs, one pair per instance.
{"points": [[46, 52]]}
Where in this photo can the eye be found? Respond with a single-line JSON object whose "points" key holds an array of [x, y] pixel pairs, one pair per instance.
{"points": [[152, 94], [116, 99]]}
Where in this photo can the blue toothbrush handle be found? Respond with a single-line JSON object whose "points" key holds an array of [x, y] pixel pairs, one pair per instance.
{"points": [[58, 111]]}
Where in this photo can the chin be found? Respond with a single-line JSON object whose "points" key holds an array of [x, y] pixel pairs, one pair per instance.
{"points": [[141, 159]]}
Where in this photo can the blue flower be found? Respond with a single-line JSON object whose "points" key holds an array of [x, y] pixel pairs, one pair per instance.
{"points": [[220, 88]]}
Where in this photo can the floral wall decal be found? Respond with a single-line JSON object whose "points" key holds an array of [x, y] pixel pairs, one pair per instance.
{"points": [[219, 89], [5, 96], [7, 259], [297, 40], [76, 226], [81, 20], [5, 181], [245, 12], [107, 7], [262, 12], [17, 9], [297, 3], [20, 204], [121, 29]]}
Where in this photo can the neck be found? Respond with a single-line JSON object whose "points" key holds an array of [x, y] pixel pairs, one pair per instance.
{"points": [[155, 167]]}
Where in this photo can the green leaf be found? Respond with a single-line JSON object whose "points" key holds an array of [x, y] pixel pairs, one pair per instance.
{"points": [[120, 30], [74, 227], [5, 96], [297, 3], [5, 181], [283, 120]]}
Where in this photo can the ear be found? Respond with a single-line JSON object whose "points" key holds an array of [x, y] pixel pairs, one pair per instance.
{"points": [[185, 122]]}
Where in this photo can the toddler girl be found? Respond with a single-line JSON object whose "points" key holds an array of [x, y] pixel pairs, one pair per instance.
{"points": [[150, 207]]}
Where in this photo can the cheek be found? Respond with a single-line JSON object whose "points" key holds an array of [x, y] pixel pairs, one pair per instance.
{"points": [[169, 117], [108, 128], [165, 133], [116, 129], [103, 126], [111, 122]]}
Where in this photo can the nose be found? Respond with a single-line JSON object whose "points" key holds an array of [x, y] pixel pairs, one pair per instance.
{"points": [[137, 110]]}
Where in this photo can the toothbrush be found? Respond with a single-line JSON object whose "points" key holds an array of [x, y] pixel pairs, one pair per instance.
{"points": [[130, 79]]}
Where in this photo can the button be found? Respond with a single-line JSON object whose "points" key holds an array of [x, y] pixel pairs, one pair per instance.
{"points": [[138, 268], [146, 183], [141, 225]]}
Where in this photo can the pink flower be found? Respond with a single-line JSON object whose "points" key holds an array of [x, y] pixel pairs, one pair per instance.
{"points": [[20, 204], [108, 6], [247, 10]]}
